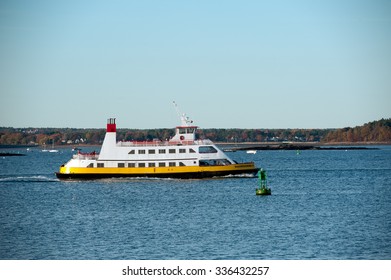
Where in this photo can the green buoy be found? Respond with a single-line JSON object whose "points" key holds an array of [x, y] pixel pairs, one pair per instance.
{"points": [[263, 189]]}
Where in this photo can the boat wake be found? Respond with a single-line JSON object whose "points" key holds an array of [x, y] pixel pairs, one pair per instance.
{"points": [[124, 179], [130, 179], [28, 178], [134, 179], [244, 175]]}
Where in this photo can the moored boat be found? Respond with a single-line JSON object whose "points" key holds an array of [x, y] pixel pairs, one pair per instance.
{"points": [[183, 156]]}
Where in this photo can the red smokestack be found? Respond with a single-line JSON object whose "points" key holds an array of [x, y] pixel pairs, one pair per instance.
{"points": [[111, 126]]}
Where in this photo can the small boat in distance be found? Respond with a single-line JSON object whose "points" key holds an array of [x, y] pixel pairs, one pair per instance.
{"points": [[251, 152], [52, 150], [183, 156]]}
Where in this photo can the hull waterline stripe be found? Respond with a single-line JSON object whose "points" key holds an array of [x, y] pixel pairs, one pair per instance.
{"points": [[179, 175]]}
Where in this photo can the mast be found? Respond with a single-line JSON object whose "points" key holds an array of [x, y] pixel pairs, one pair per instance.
{"points": [[185, 120], [185, 133]]}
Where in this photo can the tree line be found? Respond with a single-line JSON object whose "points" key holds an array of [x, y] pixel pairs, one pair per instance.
{"points": [[377, 131]]}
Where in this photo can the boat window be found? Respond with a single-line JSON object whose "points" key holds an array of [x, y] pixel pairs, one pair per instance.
{"points": [[151, 164], [171, 164], [186, 130], [151, 151], [191, 150], [141, 164], [171, 151], [91, 165], [162, 151], [162, 164], [182, 151], [132, 152], [214, 162], [141, 152], [207, 150], [100, 165], [132, 164], [181, 164]]}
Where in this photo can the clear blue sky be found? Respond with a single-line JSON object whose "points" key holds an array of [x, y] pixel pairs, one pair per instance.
{"points": [[242, 64]]}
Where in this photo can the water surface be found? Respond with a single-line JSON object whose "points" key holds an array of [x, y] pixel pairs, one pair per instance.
{"points": [[324, 205]]}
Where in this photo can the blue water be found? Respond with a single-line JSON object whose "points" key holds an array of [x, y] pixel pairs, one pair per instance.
{"points": [[324, 205]]}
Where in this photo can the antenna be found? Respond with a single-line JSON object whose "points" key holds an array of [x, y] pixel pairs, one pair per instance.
{"points": [[177, 109], [185, 121]]}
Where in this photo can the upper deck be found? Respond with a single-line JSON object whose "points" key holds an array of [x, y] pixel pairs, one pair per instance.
{"points": [[158, 143]]}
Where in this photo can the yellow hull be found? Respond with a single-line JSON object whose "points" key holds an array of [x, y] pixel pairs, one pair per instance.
{"points": [[161, 172]]}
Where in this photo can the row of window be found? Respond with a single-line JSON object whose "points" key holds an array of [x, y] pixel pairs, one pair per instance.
{"points": [[142, 164], [202, 150], [207, 162], [160, 151], [186, 130]]}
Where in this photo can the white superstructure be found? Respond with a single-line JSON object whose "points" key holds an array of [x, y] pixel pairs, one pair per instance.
{"points": [[182, 156]]}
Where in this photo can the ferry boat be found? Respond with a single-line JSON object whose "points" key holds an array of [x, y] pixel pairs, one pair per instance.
{"points": [[183, 156]]}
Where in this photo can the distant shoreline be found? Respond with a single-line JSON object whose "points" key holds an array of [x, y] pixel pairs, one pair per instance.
{"points": [[300, 146], [252, 146], [371, 143], [373, 133]]}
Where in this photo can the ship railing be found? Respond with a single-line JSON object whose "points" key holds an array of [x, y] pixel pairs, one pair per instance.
{"points": [[140, 143], [203, 142], [162, 143], [86, 156]]}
